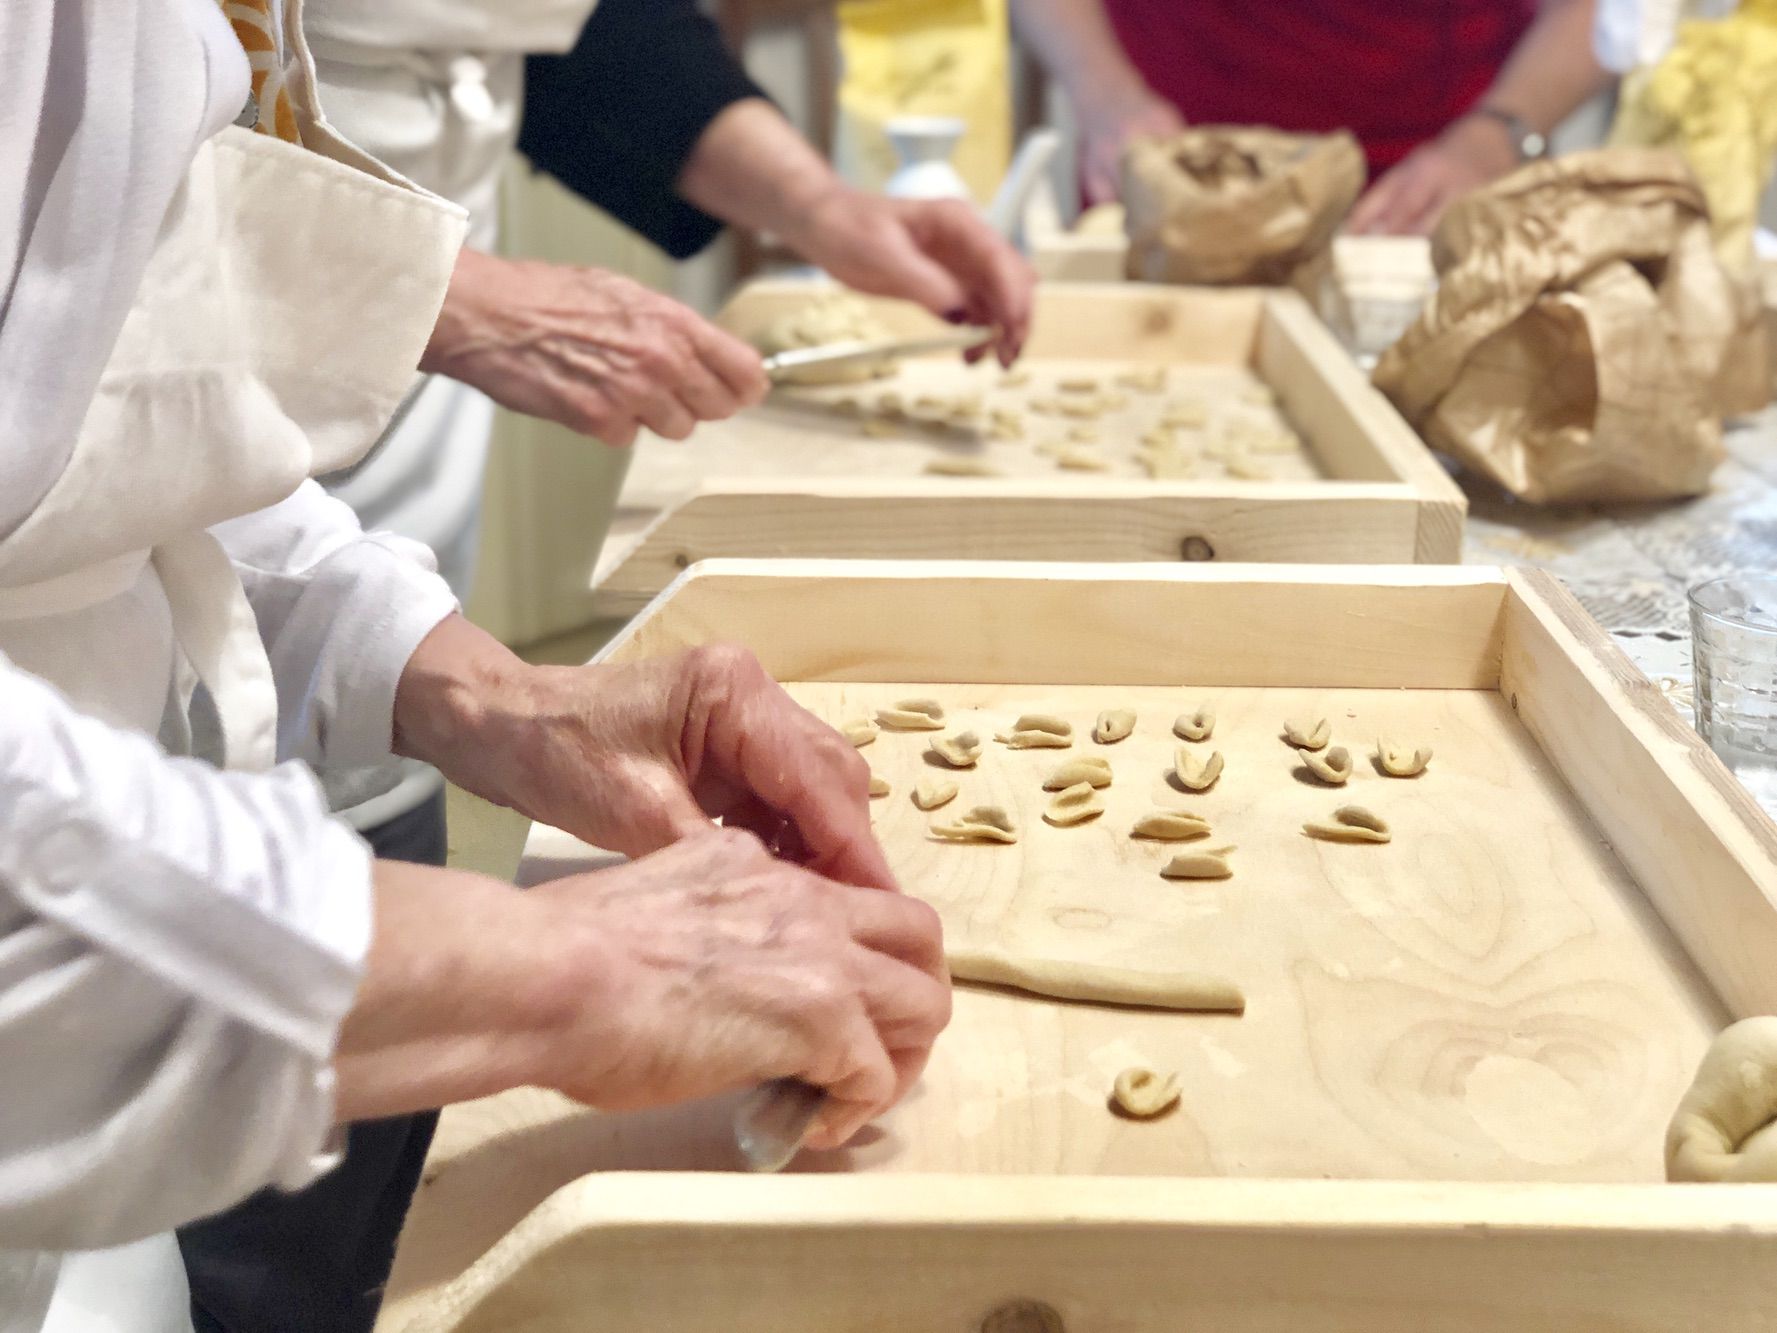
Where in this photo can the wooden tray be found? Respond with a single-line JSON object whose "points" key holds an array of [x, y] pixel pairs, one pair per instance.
{"points": [[1443, 1108], [786, 480]]}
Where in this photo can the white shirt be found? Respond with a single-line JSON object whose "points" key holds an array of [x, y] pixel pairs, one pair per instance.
{"points": [[178, 944]]}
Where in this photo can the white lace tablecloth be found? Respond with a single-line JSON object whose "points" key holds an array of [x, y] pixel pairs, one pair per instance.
{"points": [[1631, 564]]}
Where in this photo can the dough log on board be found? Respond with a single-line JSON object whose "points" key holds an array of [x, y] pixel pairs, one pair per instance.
{"points": [[1098, 985]]}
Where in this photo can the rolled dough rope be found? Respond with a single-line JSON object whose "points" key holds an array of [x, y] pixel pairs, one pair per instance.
{"points": [[1095, 984], [1723, 1128]]}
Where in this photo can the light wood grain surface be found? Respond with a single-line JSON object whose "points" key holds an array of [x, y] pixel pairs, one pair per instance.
{"points": [[778, 481], [1504, 1003], [1489, 997], [819, 432]]}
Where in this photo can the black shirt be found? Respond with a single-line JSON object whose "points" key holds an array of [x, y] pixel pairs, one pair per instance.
{"points": [[616, 118]]}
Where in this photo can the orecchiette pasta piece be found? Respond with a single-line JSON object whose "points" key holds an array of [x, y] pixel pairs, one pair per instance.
{"points": [[1242, 468], [1082, 458], [1113, 725], [1332, 765], [1398, 761], [1351, 823], [934, 792], [878, 785], [1169, 466], [960, 750], [1273, 442], [1077, 384], [984, 823], [1044, 722], [1090, 769], [860, 731], [1033, 740], [1014, 379], [913, 715], [1144, 379], [1308, 733], [1209, 864], [957, 465], [1143, 1094], [1170, 826], [876, 428], [1196, 726], [1075, 805], [1195, 772]]}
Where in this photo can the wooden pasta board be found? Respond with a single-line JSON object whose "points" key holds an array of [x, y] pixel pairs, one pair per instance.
{"points": [[1443, 1108], [795, 479]]}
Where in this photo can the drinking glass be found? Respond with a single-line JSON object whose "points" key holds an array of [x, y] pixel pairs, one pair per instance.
{"points": [[1734, 656]]}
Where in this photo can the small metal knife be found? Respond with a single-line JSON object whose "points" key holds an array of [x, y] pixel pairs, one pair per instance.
{"points": [[781, 364], [771, 1121]]}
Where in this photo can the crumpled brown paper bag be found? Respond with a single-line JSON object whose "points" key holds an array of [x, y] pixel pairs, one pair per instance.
{"points": [[1584, 342], [1234, 203]]}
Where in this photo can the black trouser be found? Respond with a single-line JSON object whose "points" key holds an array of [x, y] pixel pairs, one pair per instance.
{"points": [[315, 1261]]}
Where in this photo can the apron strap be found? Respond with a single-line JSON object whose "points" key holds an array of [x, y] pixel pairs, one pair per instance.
{"points": [[216, 630]]}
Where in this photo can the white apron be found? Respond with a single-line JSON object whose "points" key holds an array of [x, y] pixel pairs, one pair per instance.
{"points": [[288, 299], [435, 89]]}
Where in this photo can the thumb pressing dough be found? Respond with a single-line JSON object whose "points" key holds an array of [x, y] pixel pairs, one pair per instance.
{"points": [[1724, 1128], [1095, 984]]}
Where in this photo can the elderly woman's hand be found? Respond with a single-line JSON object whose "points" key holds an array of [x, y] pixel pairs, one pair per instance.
{"points": [[594, 350], [708, 966], [712, 965], [637, 756], [939, 253]]}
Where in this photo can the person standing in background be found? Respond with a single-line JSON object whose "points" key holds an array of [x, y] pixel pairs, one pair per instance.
{"points": [[1444, 95]]}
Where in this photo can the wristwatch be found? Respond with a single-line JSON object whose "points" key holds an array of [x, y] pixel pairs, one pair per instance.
{"points": [[1529, 143]]}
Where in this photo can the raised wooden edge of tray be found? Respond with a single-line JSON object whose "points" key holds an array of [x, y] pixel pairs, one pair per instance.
{"points": [[695, 1251], [1012, 519], [1702, 849], [1087, 623]]}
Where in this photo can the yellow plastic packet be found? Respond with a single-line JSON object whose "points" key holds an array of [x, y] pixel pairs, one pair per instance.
{"points": [[924, 58], [1713, 98]]}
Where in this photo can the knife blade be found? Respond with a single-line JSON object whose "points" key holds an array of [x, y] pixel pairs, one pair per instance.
{"points": [[780, 364], [771, 1120]]}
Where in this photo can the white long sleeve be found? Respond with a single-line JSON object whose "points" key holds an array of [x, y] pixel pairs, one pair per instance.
{"points": [[178, 946], [340, 612]]}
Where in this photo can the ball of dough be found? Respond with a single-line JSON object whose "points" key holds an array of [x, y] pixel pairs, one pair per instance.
{"points": [[834, 317], [1725, 1128]]}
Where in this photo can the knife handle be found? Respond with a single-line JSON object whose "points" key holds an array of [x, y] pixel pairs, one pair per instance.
{"points": [[772, 1119]]}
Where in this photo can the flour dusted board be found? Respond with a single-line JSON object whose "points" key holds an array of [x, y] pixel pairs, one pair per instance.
{"points": [[798, 477], [1443, 1106]]}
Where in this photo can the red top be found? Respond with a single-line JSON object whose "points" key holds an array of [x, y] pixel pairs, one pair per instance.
{"points": [[1393, 72]]}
